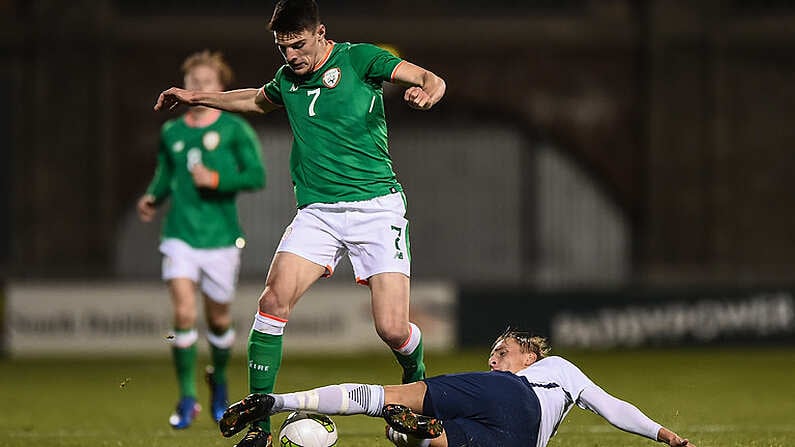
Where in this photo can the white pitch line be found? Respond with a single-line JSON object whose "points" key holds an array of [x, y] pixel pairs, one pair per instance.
{"points": [[716, 428]]}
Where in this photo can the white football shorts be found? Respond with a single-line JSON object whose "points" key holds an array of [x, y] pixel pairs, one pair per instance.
{"points": [[373, 233], [215, 270]]}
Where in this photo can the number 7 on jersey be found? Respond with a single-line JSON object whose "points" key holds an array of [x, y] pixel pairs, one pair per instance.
{"points": [[315, 94]]}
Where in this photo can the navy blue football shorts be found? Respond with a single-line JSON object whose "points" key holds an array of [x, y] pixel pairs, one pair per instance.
{"points": [[484, 409]]}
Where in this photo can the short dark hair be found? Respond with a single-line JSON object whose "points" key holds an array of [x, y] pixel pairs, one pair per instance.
{"points": [[294, 16]]}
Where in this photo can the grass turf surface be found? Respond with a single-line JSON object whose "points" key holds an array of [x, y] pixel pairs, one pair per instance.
{"points": [[739, 397]]}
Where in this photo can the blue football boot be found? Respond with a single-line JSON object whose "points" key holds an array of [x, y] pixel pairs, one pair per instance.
{"points": [[218, 395], [183, 416]]}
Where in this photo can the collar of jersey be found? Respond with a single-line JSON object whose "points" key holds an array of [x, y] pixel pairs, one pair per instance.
{"points": [[325, 58], [210, 118]]}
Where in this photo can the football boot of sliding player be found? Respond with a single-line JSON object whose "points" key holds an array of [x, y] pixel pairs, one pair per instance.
{"points": [[402, 419], [252, 408]]}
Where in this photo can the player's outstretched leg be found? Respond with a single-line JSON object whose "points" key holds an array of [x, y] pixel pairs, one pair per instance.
{"points": [[402, 419], [251, 409]]}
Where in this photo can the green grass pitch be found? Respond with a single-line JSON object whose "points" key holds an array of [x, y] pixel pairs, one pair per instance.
{"points": [[728, 397]]}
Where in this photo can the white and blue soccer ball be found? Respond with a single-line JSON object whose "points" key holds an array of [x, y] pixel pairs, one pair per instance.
{"points": [[302, 429]]}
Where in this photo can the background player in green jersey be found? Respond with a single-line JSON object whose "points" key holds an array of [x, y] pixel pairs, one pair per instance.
{"points": [[206, 156], [349, 201]]}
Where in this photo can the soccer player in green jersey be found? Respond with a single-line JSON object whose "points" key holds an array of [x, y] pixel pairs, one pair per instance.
{"points": [[206, 156], [349, 201]]}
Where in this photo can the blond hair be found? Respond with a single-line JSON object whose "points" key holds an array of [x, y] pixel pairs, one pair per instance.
{"points": [[527, 342], [213, 59]]}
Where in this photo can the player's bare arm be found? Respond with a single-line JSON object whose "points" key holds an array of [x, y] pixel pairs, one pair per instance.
{"points": [[425, 88], [247, 100]]}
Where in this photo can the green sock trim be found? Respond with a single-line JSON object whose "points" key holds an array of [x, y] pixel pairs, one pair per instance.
{"points": [[413, 364], [264, 361], [185, 366], [220, 360]]}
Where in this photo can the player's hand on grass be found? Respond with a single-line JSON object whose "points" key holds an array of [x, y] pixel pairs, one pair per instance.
{"points": [[203, 177], [173, 97], [146, 208], [417, 98], [672, 439], [676, 441]]}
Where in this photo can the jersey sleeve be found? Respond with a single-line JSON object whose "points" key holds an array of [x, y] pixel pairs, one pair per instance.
{"points": [[569, 376], [272, 90], [589, 396], [251, 173], [160, 186], [373, 63], [619, 413]]}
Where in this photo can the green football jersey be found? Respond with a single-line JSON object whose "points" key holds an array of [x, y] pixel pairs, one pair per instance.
{"points": [[340, 150], [203, 217]]}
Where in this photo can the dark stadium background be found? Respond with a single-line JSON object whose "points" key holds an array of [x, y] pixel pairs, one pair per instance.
{"points": [[615, 174], [679, 113]]}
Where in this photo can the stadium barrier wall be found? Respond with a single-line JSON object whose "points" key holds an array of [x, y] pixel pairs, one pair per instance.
{"points": [[630, 318], [136, 318]]}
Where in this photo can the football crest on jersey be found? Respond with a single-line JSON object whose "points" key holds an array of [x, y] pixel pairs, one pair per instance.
{"points": [[178, 146], [194, 157], [332, 77], [211, 140]]}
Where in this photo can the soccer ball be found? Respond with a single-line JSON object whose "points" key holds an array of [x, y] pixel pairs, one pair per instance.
{"points": [[302, 429]]}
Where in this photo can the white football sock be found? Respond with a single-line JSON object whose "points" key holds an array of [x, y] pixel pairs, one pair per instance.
{"points": [[411, 343], [268, 324], [185, 339], [223, 341], [345, 398]]}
